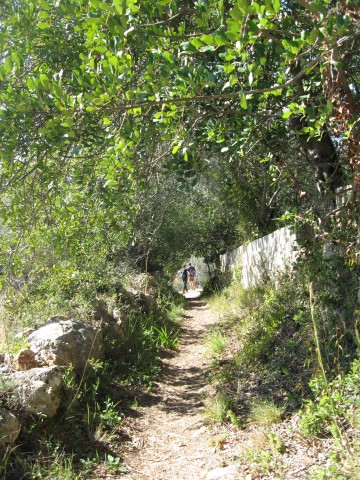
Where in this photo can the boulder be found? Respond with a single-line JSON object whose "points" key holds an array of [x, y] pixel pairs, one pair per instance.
{"points": [[145, 302], [24, 334], [65, 342], [25, 360], [99, 313], [121, 319], [114, 327], [36, 390], [9, 427]]}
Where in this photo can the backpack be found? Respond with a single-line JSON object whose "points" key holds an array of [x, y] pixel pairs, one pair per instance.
{"points": [[184, 274], [192, 271]]}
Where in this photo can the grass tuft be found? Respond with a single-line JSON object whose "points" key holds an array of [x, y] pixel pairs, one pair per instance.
{"points": [[217, 409], [264, 412]]}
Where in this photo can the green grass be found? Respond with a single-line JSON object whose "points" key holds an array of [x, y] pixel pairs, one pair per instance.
{"points": [[217, 409], [265, 412], [215, 343]]}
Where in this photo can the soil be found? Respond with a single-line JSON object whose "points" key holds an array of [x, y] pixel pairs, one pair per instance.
{"points": [[170, 438]]}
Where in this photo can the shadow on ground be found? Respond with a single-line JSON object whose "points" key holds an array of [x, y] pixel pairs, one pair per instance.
{"points": [[178, 388]]}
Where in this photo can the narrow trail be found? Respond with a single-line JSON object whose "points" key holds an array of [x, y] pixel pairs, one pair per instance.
{"points": [[169, 439]]}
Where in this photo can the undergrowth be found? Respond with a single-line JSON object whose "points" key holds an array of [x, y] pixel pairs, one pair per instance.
{"points": [[289, 347], [84, 439]]}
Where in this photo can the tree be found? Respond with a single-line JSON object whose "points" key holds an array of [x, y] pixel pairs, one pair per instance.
{"points": [[91, 90]]}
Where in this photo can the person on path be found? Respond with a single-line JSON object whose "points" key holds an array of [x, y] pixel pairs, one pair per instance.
{"points": [[192, 276], [184, 273]]}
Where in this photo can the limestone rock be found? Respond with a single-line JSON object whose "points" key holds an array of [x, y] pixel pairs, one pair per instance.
{"points": [[65, 342], [114, 327], [99, 313], [25, 360], [36, 390], [24, 334], [9, 427], [145, 302], [8, 359], [227, 473]]}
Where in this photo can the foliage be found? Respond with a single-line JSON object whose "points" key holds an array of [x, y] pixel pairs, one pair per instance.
{"points": [[215, 343], [112, 112], [265, 453], [335, 411], [335, 406], [217, 411], [166, 338], [136, 133], [264, 412]]}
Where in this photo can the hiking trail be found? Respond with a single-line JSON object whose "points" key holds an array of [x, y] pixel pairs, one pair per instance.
{"points": [[170, 439]]}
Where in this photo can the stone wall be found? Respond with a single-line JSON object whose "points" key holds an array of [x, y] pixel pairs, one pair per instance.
{"points": [[262, 258]]}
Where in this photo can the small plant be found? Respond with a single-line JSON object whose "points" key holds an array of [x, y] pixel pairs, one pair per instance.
{"points": [[53, 467], [264, 449], [264, 412], [166, 338], [215, 343], [218, 408], [233, 419], [99, 419], [114, 463], [5, 456]]}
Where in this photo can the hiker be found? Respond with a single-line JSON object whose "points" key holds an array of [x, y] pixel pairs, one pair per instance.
{"points": [[184, 273], [192, 276]]}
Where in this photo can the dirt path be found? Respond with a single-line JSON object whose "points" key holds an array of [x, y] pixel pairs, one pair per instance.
{"points": [[169, 438]]}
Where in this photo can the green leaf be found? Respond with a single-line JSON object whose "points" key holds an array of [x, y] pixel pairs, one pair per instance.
{"points": [[175, 149], [286, 113], [8, 65], [43, 25], [93, 20], [243, 102], [196, 42], [132, 5], [244, 6], [130, 94], [114, 61], [276, 5], [208, 39], [229, 67], [31, 84], [44, 15], [236, 14], [57, 90], [118, 4]]}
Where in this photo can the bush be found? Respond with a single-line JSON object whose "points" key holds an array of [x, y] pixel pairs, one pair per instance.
{"points": [[335, 407]]}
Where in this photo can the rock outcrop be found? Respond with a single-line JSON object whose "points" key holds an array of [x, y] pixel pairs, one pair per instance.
{"points": [[9, 427], [36, 391], [25, 360], [113, 327], [65, 342]]}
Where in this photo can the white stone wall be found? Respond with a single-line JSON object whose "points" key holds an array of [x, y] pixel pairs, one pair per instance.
{"points": [[263, 258]]}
